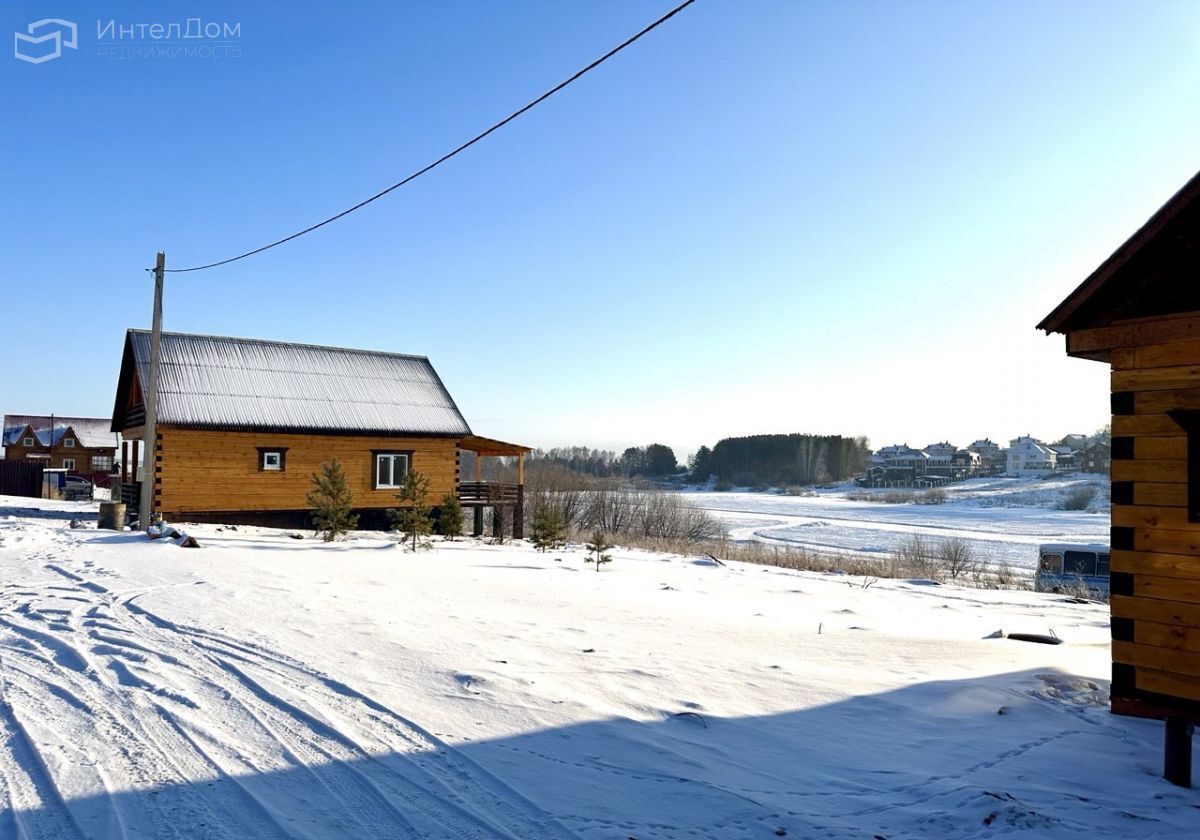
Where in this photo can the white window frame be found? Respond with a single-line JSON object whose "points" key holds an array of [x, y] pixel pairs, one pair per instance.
{"points": [[392, 458], [102, 462], [68, 463], [27, 442], [69, 443], [279, 453]]}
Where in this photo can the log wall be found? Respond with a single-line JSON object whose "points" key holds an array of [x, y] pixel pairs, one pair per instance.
{"points": [[214, 471], [1156, 545]]}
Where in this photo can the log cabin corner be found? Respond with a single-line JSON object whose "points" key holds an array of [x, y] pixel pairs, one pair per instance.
{"points": [[1140, 313], [244, 423]]}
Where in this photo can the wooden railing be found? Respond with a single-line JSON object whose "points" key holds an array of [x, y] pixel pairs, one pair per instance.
{"points": [[487, 493]]}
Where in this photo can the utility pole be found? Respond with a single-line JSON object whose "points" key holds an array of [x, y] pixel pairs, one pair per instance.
{"points": [[150, 438]]}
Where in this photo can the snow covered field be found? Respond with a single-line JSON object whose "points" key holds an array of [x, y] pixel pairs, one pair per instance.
{"points": [[268, 687], [1003, 519]]}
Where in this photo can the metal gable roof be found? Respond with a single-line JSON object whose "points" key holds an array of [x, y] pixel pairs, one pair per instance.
{"points": [[218, 382]]}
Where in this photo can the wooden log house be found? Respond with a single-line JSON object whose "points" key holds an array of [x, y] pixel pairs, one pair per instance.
{"points": [[243, 424], [1140, 313], [80, 445]]}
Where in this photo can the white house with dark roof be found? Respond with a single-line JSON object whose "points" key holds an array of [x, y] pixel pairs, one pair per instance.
{"points": [[1028, 456]]}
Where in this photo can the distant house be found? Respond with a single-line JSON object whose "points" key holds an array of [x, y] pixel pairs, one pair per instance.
{"points": [[991, 455], [941, 459], [896, 466], [243, 424], [1065, 457], [1097, 458], [1030, 457], [81, 445], [965, 462], [1076, 442]]}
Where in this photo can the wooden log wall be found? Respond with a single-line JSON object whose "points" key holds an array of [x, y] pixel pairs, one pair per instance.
{"points": [[1155, 543], [213, 471]]}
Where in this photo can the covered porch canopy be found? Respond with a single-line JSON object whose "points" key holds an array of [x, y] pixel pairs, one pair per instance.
{"points": [[480, 494], [491, 446]]}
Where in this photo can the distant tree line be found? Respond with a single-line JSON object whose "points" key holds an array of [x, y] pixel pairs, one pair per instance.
{"points": [[781, 460], [653, 461]]}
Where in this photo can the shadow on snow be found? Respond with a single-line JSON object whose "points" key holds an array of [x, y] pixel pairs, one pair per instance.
{"points": [[1029, 752]]}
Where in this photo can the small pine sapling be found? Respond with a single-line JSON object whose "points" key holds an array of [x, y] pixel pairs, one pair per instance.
{"points": [[548, 528], [331, 501], [414, 520], [450, 517], [597, 547]]}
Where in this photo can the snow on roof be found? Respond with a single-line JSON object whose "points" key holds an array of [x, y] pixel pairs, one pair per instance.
{"points": [[220, 382], [91, 432], [1058, 547]]}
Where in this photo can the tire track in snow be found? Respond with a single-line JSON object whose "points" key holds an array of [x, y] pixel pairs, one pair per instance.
{"points": [[433, 776], [35, 809], [196, 725]]}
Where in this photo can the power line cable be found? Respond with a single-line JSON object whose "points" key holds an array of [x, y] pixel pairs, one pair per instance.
{"points": [[448, 155]]}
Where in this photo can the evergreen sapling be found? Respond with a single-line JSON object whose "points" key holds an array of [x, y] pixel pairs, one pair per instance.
{"points": [[548, 528], [597, 547], [450, 517], [331, 501], [414, 520]]}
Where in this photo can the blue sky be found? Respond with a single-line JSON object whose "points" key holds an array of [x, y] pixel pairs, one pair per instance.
{"points": [[763, 217]]}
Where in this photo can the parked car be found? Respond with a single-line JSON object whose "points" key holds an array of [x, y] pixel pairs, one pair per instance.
{"points": [[76, 488]]}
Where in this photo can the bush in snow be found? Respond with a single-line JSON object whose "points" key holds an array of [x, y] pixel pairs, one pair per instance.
{"points": [[956, 558], [331, 501], [450, 517], [556, 487], [1077, 497], [669, 516], [915, 558], [597, 546], [413, 520], [932, 496]]}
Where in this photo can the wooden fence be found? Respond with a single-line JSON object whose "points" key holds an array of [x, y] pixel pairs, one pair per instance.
{"points": [[20, 478]]}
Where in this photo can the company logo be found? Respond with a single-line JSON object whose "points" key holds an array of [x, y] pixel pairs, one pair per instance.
{"points": [[36, 48]]}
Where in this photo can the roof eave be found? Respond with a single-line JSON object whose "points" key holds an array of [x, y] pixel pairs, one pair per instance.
{"points": [[1058, 319]]}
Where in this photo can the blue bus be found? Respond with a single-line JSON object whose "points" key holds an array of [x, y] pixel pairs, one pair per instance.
{"points": [[1070, 567]]}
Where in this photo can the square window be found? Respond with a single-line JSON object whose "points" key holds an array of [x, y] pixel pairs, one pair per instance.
{"points": [[28, 441], [68, 463], [69, 443], [272, 458]]}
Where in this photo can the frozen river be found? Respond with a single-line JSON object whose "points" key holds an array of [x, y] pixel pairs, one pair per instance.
{"points": [[1002, 519]]}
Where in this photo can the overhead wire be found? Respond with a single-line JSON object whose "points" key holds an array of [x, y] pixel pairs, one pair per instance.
{"points": [[458, 150]]}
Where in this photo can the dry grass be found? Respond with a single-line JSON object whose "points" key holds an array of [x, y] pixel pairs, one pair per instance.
{"points": [[918, 559], [932, 496]]}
